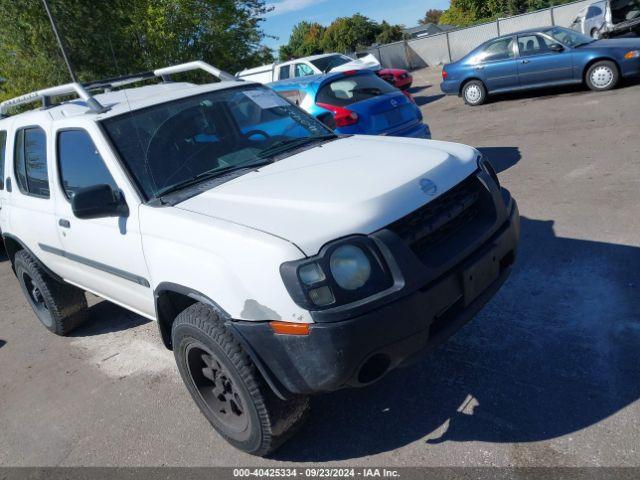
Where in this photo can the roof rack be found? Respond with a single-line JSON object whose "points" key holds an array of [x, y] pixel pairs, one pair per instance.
{"points": [[82, 90]]}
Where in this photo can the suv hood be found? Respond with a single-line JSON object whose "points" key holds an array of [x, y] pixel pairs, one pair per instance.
{"points": [[353, 185]]}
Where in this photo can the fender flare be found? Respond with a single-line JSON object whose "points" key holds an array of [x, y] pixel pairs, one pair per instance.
{"points": [[12, 254], [165, 330]]}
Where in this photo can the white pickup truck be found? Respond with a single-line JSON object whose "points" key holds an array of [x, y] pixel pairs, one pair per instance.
{"points": [[279, 259], [303, 67]]}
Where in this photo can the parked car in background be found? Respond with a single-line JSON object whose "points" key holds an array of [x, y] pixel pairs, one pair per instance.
{"points": [[356, 102], [608, 18], [325, 63], [397, 77], [540, 58]]}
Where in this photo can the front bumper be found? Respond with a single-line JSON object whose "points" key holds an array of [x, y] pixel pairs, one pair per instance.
{"points": [[359, 350]]}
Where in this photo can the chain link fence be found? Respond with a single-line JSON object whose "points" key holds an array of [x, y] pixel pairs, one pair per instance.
{"points": [[454, 44]]}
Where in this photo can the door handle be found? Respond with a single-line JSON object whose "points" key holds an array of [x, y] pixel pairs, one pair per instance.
{"points": [[526, 61], [64, 223]]}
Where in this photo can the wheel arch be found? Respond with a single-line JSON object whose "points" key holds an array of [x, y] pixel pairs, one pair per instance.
{"points": [[171, 299], [471, 79], [13, 245], [592, 61]]}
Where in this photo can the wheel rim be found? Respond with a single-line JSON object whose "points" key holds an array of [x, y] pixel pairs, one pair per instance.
{"points": [[473, 94], [36, 299], [217, 389], [602, 77]]}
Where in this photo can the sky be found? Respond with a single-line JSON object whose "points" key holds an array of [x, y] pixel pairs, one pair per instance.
{"points": [[289, 12]]}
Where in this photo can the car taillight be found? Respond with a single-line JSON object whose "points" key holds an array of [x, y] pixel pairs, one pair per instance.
{"points": [[343, 116], [444, 74]]}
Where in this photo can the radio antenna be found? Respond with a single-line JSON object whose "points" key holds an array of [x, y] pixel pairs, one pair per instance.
{"points": [[60, 44]]}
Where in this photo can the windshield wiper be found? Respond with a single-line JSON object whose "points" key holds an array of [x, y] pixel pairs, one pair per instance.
{"points": [[291, 143], [209, 174]]}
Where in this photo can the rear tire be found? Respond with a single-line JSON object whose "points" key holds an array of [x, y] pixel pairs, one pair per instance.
{"points": [[474, 93], [602, 76], [227, 387], [595, 34], [60, 307]]}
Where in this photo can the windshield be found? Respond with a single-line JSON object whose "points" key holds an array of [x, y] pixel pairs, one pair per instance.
{"points": [[568, 37], [175, 143], [325, 64]]}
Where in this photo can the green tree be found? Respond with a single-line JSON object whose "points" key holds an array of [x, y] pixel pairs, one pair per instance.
{"points": [[347, 34], [432, 16], [107, 38], [305, 39], [389, 33], [469, 12]]}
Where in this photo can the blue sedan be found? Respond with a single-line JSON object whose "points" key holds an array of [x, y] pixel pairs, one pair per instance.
{"points": [[356, 102], [541, 58]]}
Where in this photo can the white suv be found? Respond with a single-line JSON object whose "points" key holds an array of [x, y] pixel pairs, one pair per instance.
{"points": [[279, 259]]}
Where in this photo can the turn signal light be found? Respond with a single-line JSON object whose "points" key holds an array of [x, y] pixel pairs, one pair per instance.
{"points": [[288, 328]]}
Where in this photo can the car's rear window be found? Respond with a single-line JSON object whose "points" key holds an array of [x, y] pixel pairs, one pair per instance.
{"points": [[346, 91], [325, 64]]}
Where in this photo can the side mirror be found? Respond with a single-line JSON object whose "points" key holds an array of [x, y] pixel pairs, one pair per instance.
{"points": [[99, 201], [328, 119], [556, 47]]}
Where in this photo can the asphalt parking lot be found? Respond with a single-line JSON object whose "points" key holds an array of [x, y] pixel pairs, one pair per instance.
{"points": [[548, 374]]}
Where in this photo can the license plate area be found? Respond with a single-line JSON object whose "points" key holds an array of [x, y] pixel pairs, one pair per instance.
{"points": [[478, 274]]}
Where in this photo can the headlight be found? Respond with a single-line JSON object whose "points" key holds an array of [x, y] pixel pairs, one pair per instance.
{"points": [[350, 267], [344, 272], [632, 54]]}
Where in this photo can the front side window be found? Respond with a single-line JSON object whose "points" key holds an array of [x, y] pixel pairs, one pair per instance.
{"points": [[303, 70], [3, 149], [80, 164], [498, 50], [353, 89], [167, 146], [31, 162], [568, 37]]}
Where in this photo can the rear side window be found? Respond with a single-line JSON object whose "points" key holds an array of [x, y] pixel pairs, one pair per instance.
{"points": [[31, 162], [499, 50], [346, 91], [284, 72], [80, 163], [3, 149]]}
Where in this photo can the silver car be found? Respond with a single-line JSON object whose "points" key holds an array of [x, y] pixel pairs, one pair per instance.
{"points": [[608, 18]]}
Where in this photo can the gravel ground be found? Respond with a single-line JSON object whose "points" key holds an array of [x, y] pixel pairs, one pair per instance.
{"points": [[548, 373]]}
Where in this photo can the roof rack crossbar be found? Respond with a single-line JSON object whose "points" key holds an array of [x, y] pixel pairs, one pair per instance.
{"points": [[116, 82], [82, 90], [47, 93], [197, 65]]}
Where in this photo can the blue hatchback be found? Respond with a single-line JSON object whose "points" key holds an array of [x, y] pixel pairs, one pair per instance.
{"points": [[356, 102], [541, 58]]}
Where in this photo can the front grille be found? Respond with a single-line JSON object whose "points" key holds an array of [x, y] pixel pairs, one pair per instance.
{"points": [[440, 219]]}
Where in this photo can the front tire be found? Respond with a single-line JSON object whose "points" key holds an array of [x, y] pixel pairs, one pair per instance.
{"points": [[227, 387], [60, 307], [602, 76], [474, 93]]}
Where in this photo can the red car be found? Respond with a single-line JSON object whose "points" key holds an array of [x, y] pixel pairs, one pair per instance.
{"points": [[397, 77]]}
